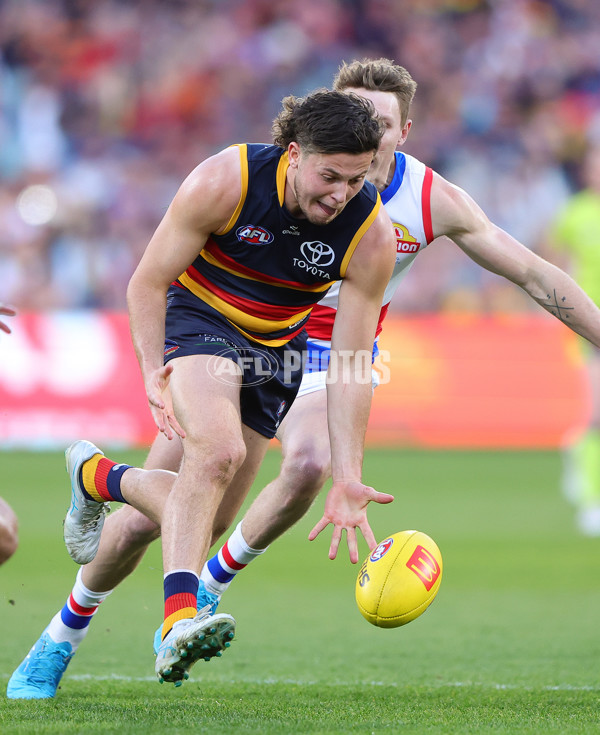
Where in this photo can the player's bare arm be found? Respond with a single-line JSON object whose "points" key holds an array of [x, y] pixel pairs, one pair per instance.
{"points": [[349, 397], [204, 204], [457, 216]]}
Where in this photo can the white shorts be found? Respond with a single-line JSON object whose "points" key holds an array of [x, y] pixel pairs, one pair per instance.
{"points": [[312, 382]]}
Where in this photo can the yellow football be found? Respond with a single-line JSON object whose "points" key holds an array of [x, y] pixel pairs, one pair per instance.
{"points": [[399, 579]]}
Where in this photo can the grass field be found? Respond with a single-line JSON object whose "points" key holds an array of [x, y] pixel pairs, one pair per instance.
{"points": [[511, 644]]}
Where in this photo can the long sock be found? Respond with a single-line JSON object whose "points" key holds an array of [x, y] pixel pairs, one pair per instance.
{"points": [[72, 621], [219, 571], [101, 479], [181, 591]]}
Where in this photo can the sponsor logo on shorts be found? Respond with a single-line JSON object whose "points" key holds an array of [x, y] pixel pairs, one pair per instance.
{"points": [[254, 235], [382, 549], [170, 348], [425, 566]]}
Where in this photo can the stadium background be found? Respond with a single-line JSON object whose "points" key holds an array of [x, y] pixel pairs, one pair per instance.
{"points": [[106, 106]]}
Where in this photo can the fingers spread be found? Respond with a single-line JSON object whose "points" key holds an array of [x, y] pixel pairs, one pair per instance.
{"points": [[323, 523]]}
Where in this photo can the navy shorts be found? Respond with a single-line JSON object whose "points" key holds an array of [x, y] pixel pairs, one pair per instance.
{"points": [[271, 376]]}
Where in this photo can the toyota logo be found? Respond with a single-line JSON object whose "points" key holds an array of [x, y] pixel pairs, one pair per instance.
{"points": [[317, 253]]}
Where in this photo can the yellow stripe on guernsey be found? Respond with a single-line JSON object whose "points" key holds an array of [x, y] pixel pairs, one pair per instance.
{"points": [[88, 476], [267, 342], [243, 151], [240, 319], [282, 167], [359, 233]]}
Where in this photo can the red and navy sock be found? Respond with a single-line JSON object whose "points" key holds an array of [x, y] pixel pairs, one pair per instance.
{"points": [[181, 591], [100, 479]]}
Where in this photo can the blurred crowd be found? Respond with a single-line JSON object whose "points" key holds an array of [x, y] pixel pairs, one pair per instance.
{"points": [[106, 105]]}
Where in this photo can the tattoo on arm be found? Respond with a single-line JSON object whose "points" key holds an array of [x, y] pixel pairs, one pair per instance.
{"points": [[556, 305]]}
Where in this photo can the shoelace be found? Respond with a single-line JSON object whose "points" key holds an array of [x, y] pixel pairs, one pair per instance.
{"points": [[53, 662], [90, 517], [211, 601]]}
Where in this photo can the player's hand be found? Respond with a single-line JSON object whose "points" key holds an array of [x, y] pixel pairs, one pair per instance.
{"points": [[346, 508], [6, 311], [161, 405]]}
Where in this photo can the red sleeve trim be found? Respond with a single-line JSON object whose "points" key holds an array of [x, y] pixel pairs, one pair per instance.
{"points": [[426, 204]]}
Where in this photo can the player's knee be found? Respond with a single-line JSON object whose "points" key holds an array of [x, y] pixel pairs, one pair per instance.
{"points": [[134, 530], [306, 470], [142, 533], [217, 463], [9, 536], [9, 543]]}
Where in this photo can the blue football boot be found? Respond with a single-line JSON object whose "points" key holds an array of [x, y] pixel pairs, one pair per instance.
{"points": [[39, 674]]}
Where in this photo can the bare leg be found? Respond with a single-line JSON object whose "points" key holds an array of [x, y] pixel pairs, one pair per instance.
{"points": [[240, 485], [304, 470], [125, 537], [213, 451], [127, 532], [9, 539]]}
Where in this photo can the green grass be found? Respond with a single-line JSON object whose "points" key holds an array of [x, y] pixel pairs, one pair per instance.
{"points": [[511, 644]]}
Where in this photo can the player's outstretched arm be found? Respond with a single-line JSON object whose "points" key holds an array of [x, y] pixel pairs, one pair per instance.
{"points": [[349, 388], [456, 215], [203, 204]]}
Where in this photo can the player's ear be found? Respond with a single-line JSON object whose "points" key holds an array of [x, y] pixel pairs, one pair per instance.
{"points": [[293, 154], [404, 134]]}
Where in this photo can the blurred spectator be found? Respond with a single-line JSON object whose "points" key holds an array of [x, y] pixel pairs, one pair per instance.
{"points": [[575, 237], [105, 105]]}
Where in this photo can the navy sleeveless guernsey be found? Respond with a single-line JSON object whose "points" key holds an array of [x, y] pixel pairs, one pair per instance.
{"points": [[267, 270]]}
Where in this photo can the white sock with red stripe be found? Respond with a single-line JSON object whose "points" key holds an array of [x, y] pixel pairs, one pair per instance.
{"points": [[72, 621], [219, 571]]}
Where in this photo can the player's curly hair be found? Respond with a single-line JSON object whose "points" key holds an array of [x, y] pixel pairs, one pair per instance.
{"points": [[378, 75], [328, 122]]}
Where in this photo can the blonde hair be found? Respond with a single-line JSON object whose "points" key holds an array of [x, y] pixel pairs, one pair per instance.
{"points": [[378, 75]]}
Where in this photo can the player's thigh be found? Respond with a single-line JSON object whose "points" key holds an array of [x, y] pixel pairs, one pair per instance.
{"points": [[206, 405]]}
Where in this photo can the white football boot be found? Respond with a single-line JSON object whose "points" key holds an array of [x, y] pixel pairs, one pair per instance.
{"points": [[85, 517], [204, 636]]}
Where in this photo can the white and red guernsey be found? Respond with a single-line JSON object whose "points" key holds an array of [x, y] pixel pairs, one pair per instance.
{"points": [[407, 200]]}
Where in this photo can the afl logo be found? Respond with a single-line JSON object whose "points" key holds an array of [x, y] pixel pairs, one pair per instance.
{"points": [[317, 253], [254, 235], [382, 549], [405, 242]]}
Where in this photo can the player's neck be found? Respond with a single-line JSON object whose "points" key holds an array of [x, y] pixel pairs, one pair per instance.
{"points": [[382, 177]]}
